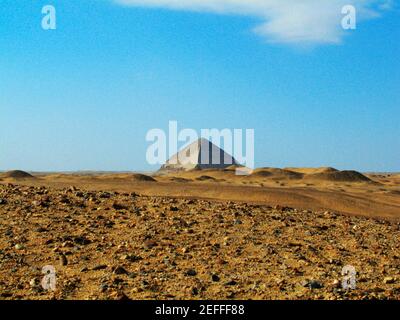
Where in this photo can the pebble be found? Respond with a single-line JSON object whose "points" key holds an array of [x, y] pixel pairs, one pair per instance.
{"points": [[82, 241], [215, 278], [63, 260], [315, 285], [34, 283], [103, 287], [231, 283], [191, 273], [99, 267], [311, 284], [389, 280], [19, 246], [149, 244], [120, 270], [336, 283]]}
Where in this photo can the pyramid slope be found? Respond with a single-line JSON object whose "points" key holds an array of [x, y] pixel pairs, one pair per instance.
{"points": [[201, 154]]}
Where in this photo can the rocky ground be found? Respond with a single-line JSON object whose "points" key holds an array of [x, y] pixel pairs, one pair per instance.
{"points": [[108, 245]]}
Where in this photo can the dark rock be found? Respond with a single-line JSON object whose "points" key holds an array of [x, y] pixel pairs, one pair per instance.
{"points": [[118, 206], [191, 273], [149, 244], [231, 283], [63, 260], [82, 241], [99, 267], [215, 278], [311, 284], [120, 270]]}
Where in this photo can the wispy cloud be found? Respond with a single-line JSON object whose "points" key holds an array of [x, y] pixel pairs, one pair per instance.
{"points": [[284, 21]]}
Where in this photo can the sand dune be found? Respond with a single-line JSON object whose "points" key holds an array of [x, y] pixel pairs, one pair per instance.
{"points": [[16, 174], [319, 189], [276, 173], [339, 176], [313, 170]]}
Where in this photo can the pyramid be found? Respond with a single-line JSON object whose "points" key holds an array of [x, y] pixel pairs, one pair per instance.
{"points": [[201, 154]]}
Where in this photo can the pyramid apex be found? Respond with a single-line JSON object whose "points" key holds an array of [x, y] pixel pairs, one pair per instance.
{"points": [[205, 155]]}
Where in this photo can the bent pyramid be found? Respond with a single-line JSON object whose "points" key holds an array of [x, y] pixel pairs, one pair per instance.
{"points": [[201, 154]]}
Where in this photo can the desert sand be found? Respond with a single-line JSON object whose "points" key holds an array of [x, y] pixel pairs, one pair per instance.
{"points": [[204, 234]]}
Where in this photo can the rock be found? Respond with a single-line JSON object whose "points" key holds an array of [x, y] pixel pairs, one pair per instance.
{"points": [[231, 283], [311, 284], [120, 270], [3, 201], [130, 257], [315, 285], [34, 283], [63, 260], [149, 244], [82, 241], [105, 195], [215, 278], [304, 283], [336, 283], [103, 287], [389, 280], [118, 206], [191, 273], [19, 246], [99, 267], [194, 291], [121, 296]]}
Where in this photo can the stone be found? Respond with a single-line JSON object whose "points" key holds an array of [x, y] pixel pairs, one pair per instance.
{"points": [[120, 270], [118, 206], [99, 267], [34, 282], [19, 246], [215, 278], [389, 280], [191, 273], [315, 285], [82, 241], [149, 244], [63, 260]]}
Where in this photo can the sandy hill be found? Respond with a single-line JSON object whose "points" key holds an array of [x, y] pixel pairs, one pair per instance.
{"points": [[133, 177], [16, 174], [276, 174], [340, 176], [298, 175], [313, 170]]}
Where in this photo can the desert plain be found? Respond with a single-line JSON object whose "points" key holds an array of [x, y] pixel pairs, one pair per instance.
{"points": [[203, 234]]}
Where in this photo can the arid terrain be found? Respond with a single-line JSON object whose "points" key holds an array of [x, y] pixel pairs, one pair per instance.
{"points": [[209, 234]]}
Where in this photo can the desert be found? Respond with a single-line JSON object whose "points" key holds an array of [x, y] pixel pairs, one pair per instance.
{"points": [[200, 234], [215, 151]]}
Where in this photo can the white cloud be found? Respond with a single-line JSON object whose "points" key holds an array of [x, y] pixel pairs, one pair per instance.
{"points": [[284, 21]]}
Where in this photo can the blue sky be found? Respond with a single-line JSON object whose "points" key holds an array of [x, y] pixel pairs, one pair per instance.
{"points": [[84, 96]]}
